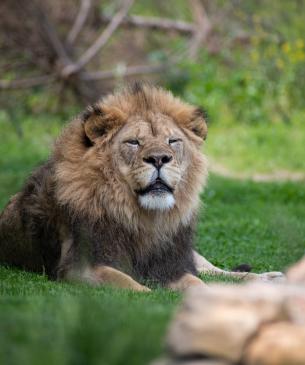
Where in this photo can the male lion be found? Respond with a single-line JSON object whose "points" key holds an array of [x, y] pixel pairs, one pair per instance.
{"points": [[116, 202]]}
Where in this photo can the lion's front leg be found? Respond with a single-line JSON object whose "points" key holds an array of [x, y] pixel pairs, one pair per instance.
{"points": [[110, 276], [70, 268], [185, 282], [100, 275], [104, 275], [204, 266]]}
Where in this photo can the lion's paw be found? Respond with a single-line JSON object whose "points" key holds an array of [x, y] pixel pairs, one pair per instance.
{"points": [[272, 276]]}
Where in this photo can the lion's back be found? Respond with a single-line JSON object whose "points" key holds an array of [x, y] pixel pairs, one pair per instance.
{"points": [[24, 237]]}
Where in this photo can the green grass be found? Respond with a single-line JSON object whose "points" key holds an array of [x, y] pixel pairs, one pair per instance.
{"points": [[18, 156], [255, 223], [54, 323], [259, 148], [60, 323]]}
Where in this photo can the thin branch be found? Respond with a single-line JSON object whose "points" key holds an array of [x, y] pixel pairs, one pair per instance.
{"points": [[51, 33], [101, 40], [26, 83], [122, 71], [13, 65], [79, 21], [203, 27], [165, 24]]}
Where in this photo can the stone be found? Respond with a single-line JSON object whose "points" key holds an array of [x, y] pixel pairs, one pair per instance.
{"points": [[167, 361], [252, 324], [296, 273], [219, 321], [277, 344], [295, 308]]}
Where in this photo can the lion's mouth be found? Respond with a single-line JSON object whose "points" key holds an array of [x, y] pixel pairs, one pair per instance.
{"points": [[157, 187]]}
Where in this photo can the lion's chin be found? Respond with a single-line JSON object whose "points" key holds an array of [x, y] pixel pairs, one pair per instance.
{"points": [[160, 201]]}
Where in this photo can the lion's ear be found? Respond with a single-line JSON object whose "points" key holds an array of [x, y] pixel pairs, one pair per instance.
{"points": [[93, 122], [99, 121], [198, 123]]}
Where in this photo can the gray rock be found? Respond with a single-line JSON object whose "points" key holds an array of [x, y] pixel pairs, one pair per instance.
{"points": [[296, 273], [219, 321], [277, 344]]}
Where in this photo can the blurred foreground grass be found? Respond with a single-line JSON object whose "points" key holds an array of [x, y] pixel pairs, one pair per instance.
{"points": [[240, 222]]}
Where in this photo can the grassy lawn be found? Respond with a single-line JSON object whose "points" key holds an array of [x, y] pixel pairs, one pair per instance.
{"points": [[258, 148], [240, 222]]}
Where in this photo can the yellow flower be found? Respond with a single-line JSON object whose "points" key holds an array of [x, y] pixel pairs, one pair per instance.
{"points": [[302, 56], [299, 43], [286, 47], [299, 56]]}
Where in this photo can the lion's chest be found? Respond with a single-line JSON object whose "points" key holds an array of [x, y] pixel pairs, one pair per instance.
{"points": [[109, 242]]}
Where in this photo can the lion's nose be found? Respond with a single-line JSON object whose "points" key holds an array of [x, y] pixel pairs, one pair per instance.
{"points": [[158, 160]]}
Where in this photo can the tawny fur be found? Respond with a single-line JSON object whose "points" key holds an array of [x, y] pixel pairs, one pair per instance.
{"points": [[85, 195], [81, 179]]}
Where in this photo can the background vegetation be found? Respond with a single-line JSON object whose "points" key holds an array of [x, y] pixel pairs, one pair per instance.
{"points": [[246, 66]]}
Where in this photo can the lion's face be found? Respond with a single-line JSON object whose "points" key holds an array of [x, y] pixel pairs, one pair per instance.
{"points": [[135, 151], [152, 156]]}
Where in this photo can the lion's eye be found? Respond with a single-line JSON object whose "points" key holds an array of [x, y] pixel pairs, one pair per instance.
{"points": [[174, 140], [133, 142]]}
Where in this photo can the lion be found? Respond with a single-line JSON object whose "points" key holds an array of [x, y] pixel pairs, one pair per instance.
{"points": [[116, 202]]}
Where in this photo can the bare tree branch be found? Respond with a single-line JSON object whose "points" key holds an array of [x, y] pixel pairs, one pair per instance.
{"points": [[122, 71], [165, 24], [14, 65], [60, 64], [79, 21], [101, 40], [51, 33], [26, 83], [203, 27]]}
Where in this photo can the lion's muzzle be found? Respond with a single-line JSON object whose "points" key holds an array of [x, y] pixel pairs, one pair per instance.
{"points": [[158, 160]]}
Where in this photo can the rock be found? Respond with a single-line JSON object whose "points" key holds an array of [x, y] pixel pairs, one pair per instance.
{"points": [[219, 321], [295, 308], [253, 324], [277, 344], [296, 273], [167, 361]]}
